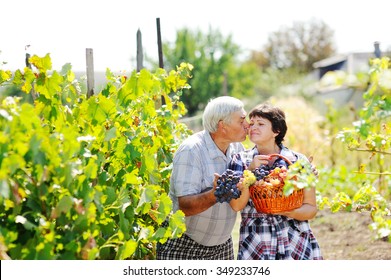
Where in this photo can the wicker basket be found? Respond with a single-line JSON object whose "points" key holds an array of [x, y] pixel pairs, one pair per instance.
{"points": [[270, 199]]}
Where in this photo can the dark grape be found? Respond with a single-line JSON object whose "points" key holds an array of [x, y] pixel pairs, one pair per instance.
{"points": [[226, 186], [280, 163], [261, 172]]}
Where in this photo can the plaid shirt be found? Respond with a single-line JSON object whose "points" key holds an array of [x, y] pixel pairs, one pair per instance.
{"points": [[185, 248], [238, 163]]}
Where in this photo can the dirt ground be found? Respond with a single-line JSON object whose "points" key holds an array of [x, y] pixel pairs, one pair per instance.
{"points": [[346, 236]]}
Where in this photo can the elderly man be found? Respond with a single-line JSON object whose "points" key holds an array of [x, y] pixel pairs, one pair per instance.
{"points": [[208, 224]]}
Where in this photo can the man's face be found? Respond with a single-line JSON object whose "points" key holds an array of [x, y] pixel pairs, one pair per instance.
{"points": [[237, 129]]}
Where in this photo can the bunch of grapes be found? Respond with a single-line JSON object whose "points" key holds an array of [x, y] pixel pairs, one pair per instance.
{"points": [[226, 186], [248, 178], [280, 163], [261, 172]]}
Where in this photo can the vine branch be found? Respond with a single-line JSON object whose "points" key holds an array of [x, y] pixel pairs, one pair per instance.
{"points": [[373, 173], [370, 151]]}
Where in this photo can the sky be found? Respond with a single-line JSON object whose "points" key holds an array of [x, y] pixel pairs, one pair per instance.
{"points": [[65, 29]]}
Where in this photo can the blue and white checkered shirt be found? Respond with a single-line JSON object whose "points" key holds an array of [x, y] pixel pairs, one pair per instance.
{"points": [[194, 165]]}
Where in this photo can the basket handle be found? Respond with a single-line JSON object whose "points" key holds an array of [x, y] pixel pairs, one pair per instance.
{"points": [[284, 158]]}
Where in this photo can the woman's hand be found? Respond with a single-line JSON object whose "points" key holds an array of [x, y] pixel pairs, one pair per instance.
{"points": [[240, 184], [241, 202], [259, 160]]}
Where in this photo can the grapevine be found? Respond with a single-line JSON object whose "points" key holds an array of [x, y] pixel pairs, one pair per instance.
{"points": [[90, 176], [369, 133]]}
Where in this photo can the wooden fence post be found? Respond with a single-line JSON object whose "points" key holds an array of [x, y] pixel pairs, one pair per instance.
{"points": [[139, 52], [90, 72], [159, 43], [160, 50]]}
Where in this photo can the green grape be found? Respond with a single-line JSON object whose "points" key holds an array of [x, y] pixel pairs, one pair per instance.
{"points": [[248, 178]]}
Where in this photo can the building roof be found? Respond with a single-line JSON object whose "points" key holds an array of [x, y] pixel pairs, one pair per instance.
{"points": [[330, 61]]}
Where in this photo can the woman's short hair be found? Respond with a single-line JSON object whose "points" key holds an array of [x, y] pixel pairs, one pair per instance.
{"points": [[275, 115], [220, 109]]}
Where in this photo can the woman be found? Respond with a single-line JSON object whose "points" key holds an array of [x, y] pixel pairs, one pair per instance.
{"points": [[286, 235]]}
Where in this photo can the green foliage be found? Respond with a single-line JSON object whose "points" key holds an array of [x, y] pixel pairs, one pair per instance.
{"points": [[88, 178], [299, 176], [370, 134], [341, 189]]}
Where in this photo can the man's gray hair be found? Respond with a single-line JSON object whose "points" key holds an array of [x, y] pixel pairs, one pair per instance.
{"points": [[220, 109]]}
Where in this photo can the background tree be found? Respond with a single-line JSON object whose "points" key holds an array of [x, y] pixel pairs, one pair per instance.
{"points": [[217, 70], [297, 46]]}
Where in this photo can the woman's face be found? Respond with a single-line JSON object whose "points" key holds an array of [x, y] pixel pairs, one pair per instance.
{"points": [[260, 131]]}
